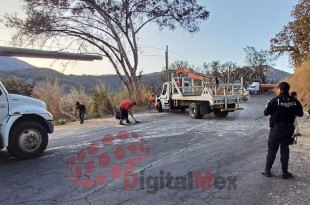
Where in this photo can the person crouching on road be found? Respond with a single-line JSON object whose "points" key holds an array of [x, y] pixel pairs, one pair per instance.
{"points": [[283, 110], [151, 100], [125, 108], [82, 110]]}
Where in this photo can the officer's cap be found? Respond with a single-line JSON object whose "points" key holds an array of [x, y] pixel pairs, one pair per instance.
{"points": [[284, 86]]}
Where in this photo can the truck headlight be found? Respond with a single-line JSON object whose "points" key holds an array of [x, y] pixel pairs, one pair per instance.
{"points": [[50, 115]]}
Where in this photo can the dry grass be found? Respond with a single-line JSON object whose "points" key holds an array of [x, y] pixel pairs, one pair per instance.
{"points": [[69, 101], [140, 96], [101, 101], [300, 82], [50, 92]]}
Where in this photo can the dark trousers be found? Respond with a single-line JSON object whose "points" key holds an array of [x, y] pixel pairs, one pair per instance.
{"points": [[150, 103], [123, 114], [81, 116], [279, 136]]}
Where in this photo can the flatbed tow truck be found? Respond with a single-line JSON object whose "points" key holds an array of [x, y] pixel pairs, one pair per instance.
{"points": [[200, 94]]}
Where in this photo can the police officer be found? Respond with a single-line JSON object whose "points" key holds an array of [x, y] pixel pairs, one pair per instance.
{"points": [[282, 110]]}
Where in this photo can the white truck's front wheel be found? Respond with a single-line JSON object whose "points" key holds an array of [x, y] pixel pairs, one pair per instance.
{"points": [[28, 140], [159, 107]]}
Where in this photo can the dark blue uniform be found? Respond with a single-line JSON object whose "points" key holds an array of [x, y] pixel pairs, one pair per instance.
{"points": [[283, 110]]}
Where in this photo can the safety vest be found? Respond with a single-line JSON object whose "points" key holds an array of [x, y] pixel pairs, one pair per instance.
{"points": [[152, 98]]}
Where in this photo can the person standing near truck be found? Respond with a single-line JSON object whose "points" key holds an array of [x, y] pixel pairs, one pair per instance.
{"points": [[81, 108], [125, 108], [151, 100], [217, 81], [283, 110]]}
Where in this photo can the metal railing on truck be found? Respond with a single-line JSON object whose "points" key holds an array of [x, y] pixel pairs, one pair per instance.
{"points": [[223, 93]]}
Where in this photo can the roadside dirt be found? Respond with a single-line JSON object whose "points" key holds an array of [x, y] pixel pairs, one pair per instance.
{"points": [[304, 129], [104, 121]]}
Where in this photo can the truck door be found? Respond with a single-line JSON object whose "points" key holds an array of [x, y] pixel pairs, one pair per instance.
{"points": [[4, 109], [164, 91], [165, 95]]}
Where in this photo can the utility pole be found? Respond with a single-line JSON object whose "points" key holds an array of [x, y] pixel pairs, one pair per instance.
{"points": [[167, 70]]}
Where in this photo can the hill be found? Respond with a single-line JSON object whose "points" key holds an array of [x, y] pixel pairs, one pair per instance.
{"points": [[69, 82], [275, 75], [11, 64], [12, 67]]}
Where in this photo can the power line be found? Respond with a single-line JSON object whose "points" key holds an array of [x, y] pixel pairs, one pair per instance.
{"points": [[177, 54], [170, 51], [184, 58], [153, 47], [153, 55]]}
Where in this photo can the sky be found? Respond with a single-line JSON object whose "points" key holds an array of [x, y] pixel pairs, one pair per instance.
{"points": [[231, 26]]}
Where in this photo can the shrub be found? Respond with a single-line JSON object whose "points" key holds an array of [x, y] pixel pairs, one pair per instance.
{"points": [[102, 100], [69, 101], [140, 95], [300, 83], [50, 92], [17, 87]]}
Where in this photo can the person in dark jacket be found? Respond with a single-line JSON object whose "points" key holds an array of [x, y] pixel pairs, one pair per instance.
{"points": [[217, 81], [283, 110], [81, 108]]}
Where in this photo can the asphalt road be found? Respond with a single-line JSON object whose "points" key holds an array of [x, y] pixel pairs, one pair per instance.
{"points": [[167, 158]]}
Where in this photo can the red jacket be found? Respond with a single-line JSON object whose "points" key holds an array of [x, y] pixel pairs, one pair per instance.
{"points": [[127, 105], [152, 98]]}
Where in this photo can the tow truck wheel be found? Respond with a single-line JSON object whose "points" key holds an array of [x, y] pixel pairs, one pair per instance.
{"points": [[194, 111], [219, 113], [159, 107], [27, 140]]}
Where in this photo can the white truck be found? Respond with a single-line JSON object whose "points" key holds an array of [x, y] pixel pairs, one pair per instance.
{"points": [[196, 92], [254, 88], [24, 125], [24, 121]]}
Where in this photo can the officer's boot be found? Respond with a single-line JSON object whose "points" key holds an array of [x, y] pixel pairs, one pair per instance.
{"points": [[121, 122], [287, 175], [127, 121], [266, 173], [284, 160]]}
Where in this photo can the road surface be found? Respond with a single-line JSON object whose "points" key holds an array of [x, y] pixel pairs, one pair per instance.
{"points": [[167, 158]]}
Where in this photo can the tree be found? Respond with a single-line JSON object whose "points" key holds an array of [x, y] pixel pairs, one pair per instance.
{"points": [[247, 73], [212, 68], [17, 87], [109, 27], [173, 67], [294, 38], [259, 61], [225, 72]]}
